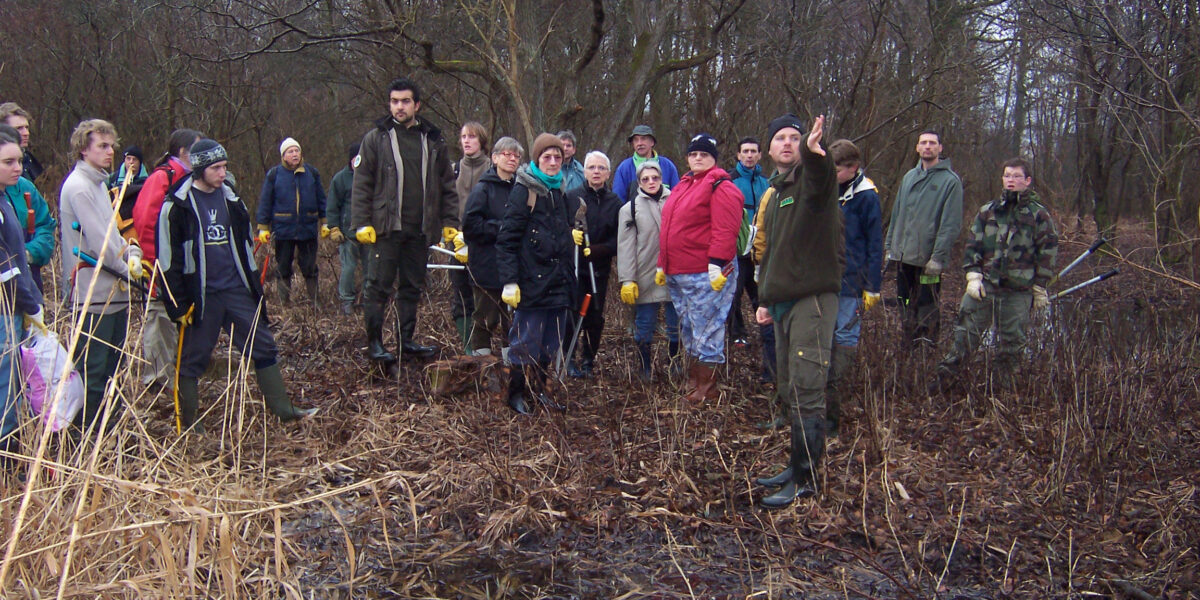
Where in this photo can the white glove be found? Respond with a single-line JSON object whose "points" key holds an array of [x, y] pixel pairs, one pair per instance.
{"points": [[511, 295], [975, 285], [756, 268], [716, 279], [1041, 300], [36, 320], [135, 267]]}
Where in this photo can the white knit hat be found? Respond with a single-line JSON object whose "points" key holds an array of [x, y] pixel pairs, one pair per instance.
{"points": [[288, 143]]}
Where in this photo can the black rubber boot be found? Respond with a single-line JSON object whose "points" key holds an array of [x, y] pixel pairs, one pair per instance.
{"points": [[783, 477], [808, 446], [270, 381], [373, 320], [406, 317], [313, 288], [646, 372], [283, 289], [517, 390], [543, 396], [840, 361], [189, 405]]}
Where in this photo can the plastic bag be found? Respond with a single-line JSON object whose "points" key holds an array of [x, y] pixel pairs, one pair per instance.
{"points": [[44, 362]]}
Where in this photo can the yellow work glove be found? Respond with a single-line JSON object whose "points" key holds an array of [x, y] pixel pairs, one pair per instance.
{"points": [[629, 292], [448, 234], [365, 235], [186, 319], [577, 235], [975, 285], [460, 248], [660, 277], [335, 235], [325, 230], [36, 321], [716, 278], [869, 300], [264, 235], [135, 267], [511, 295], [1041, 300]]}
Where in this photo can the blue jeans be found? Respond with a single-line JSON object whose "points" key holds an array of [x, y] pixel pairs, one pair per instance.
{"points": [[645, 317], [353, 256], [536, 336], [848, 328], [10, 332]]}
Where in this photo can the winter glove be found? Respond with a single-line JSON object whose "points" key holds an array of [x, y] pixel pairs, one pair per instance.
{"points": [[335, 235], [135, 267], [715, 277], [460, 248], [629, 292], [36, 321], [756, 270], [975, 285], [577, 235], [660, 277], [511, 295], [448, 234], [264, 235], [325, 230], [933, 268], [28, 257], [1041, 300], [365, 235], [869, 300], [186, 319]]}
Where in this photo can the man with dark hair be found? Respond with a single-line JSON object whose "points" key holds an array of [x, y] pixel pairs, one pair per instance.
{"points": [[572, 170], [747, 175], [1009, 259], [351, 254], [403, 201], [643, 141], [926, 220]]}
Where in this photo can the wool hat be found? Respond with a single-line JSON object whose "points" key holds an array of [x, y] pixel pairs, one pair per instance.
{"points": [[651, 163], [135, 152], [642, 130], [206, 153], [288, 143], [702, 142], [544, 142], [780, 122]]}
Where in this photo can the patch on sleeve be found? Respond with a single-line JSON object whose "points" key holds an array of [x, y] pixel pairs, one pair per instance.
{"points": [[357, 160], [786, 201]]}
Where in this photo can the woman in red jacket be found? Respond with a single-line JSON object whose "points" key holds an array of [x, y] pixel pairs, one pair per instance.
{"points": [[697, 248]]}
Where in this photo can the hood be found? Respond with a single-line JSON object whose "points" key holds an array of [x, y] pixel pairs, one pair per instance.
{"points": [[860, 183], [742, 170], [525, 177]]}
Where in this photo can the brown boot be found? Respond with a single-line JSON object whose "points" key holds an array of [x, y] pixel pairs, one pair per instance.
{"points": [[692, 381], [706, 383]]}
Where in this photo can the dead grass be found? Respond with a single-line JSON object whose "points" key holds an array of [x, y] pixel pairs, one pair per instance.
{"points": [[1079, 483]]}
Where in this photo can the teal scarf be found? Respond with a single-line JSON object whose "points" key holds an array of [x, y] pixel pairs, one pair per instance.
{"points": [[551, 182]]}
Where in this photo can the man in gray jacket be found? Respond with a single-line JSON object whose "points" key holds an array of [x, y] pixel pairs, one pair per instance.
{"points": [[926, 220]]}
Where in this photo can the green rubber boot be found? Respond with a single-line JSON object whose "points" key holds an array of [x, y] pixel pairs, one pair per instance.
{"points": [[463, 326], [270, 381], [189, 405]]}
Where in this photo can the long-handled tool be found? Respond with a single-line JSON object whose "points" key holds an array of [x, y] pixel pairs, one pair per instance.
{"points": [[583, 308], [178, 364], [92, 262], [262, 273], [581, 224], [441, 266], [1086, 253], [1079, 286]]}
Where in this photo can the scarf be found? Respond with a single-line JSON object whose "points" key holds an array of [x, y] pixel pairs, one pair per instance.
{"points": [[551, 182]]}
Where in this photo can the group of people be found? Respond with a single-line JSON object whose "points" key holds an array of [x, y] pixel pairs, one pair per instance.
{"points": [[536, 236]]}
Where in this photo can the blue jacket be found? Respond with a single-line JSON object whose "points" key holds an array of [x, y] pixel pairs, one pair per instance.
{"points": [[864, 236], [41, 244], [753, 184], [290, 214], [15, 276], [573, 174], [623, 181]]}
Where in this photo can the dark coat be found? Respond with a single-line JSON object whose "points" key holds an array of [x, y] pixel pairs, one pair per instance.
{"points": [[481, 226], [181, 251], [534, 248], [337, 208], [603, 209], [864, 237], [289, 215]]}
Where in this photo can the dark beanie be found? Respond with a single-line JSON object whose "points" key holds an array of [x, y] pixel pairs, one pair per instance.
{"points": [[787, 120], [206, 153], [702, 142], [135, 152], [544, 142]]}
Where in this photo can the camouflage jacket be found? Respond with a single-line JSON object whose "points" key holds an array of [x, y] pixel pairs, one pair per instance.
{"points": [[1013, 243]]}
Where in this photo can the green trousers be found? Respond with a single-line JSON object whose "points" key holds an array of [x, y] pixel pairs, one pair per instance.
{"points": [[97, 356], [803, 344], [1007, 311]]}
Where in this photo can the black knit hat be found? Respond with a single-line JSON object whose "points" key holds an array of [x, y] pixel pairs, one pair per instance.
{"points": [[702, 142], [206, 153], [135, 152], [787, 120]]}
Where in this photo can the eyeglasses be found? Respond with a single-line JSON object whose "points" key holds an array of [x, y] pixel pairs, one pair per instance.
{"points": [[597, 168], [510, 154], [550, 157], [649, 178]]}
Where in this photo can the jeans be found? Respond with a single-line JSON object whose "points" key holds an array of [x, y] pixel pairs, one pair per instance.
{"points": [[848, 327], [645, 317]]}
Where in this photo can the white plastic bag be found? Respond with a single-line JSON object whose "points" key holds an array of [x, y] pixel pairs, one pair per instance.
{"points": [[43, 364]]}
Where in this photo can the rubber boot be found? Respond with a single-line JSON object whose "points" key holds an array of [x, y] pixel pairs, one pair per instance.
{"points": [[283, 289], [373, 320], [517, 390], [808, 446], [189, 405], [706, 383], [646, 372], [676, 359], [313, 288], [270, 381], [778, 414], [406, 317], [840, 362], [463, 326], [782, 478]]}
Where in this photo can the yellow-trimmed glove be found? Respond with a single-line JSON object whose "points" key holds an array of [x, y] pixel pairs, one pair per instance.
{"points": [[511, 295], [264, 235], [869, 300], [1041, 300], [660, 277], [135, 267], [365, 235], [36, 321], [335, 235], [460, 248], [629, 292], [186, 319], [577, 235], [325, 230], [448, 234], [975, 285], [716, 278]]}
